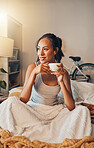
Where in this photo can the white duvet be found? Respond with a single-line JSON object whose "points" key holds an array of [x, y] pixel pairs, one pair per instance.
{"points": [[42, 122]]}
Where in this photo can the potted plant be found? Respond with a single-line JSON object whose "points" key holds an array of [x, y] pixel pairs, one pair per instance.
{"points": [[2, 82]]}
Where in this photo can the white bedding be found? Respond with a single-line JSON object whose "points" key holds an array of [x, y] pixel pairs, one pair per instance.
{"points": [[45, 123], [83, 92]]}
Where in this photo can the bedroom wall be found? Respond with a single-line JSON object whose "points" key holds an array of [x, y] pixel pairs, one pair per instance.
{"points": [[72, 20]]}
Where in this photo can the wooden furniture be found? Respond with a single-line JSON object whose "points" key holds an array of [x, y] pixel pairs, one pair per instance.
{"points": [[12, 65], [13, 75]]}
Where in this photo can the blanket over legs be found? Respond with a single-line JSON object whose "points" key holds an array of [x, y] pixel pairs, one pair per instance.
{"points": [[42, 122]]}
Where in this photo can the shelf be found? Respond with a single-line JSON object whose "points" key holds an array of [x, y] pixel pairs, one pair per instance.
{"points": [[3, 95], [14, 86], [10, 61], [12, 64], [10, 73]]}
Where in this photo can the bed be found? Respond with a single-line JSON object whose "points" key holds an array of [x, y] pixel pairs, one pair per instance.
{"points": [[83, 93]]}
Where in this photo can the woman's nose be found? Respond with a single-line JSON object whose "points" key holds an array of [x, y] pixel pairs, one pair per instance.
{"points": [[41, 52]]}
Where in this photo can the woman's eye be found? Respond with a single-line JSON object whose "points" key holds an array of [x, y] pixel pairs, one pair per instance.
{"points": [[45, 48]]}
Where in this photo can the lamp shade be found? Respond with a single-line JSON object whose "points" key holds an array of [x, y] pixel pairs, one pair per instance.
{"points": [[6, 46]]}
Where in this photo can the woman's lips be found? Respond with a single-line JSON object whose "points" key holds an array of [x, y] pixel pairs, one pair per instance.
{"points": [[42, 58]]}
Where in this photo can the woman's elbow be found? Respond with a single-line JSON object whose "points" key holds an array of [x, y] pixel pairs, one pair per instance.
{"points": [[24, 99], [71, 108]]}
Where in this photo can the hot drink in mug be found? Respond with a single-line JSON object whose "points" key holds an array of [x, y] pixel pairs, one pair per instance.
{"points": [[53, 66]]}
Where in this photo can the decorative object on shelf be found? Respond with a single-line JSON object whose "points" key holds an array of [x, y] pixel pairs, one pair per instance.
{"points": [[6, 50], [14, 66], [16, 54], [2, 82]]}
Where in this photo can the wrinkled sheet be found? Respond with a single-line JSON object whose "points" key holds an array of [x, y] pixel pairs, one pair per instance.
{"points": [[42, 122]]}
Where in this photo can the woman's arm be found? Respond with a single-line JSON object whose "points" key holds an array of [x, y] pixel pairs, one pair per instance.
{"points": [[31, 73], [66, 90], [64, 81], [29, 80]]}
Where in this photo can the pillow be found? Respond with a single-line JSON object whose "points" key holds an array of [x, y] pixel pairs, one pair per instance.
{"points": [[15, 92], [76, 95], [83, 91]]}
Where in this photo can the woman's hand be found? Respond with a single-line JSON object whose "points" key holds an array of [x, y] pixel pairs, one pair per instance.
{"points": [[42, 68], [64, 81], [60, 73]]}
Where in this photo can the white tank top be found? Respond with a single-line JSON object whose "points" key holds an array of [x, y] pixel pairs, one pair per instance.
{"points": [[44, 94]]}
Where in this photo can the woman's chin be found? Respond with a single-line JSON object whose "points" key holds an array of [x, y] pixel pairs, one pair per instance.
{"points": [[43, 61]]}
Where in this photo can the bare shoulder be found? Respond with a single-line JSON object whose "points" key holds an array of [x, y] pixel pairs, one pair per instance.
{"points": [[31, 67], [28, 72]]}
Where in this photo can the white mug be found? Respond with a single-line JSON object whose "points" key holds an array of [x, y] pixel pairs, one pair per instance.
{"points": [[53, 66]]}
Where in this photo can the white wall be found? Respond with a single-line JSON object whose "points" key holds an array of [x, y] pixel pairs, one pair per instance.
{"points": [[72, 20]]}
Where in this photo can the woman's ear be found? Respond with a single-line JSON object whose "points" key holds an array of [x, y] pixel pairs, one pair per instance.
{"points": [[56, 50]]}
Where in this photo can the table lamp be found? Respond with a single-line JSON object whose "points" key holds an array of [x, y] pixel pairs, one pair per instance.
{"points": [[6, 46], [6, 50]]}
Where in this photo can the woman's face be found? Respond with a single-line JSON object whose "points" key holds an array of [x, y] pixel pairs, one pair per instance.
{"points": [[45, 51]]}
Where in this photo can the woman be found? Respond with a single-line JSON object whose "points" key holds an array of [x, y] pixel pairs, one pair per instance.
{"points": [[41, 117], [48, 51]]}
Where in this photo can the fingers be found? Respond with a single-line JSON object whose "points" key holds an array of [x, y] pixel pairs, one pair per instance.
{"points": [[60, 73], [45, 67], [60, 67], [61, 70]]}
